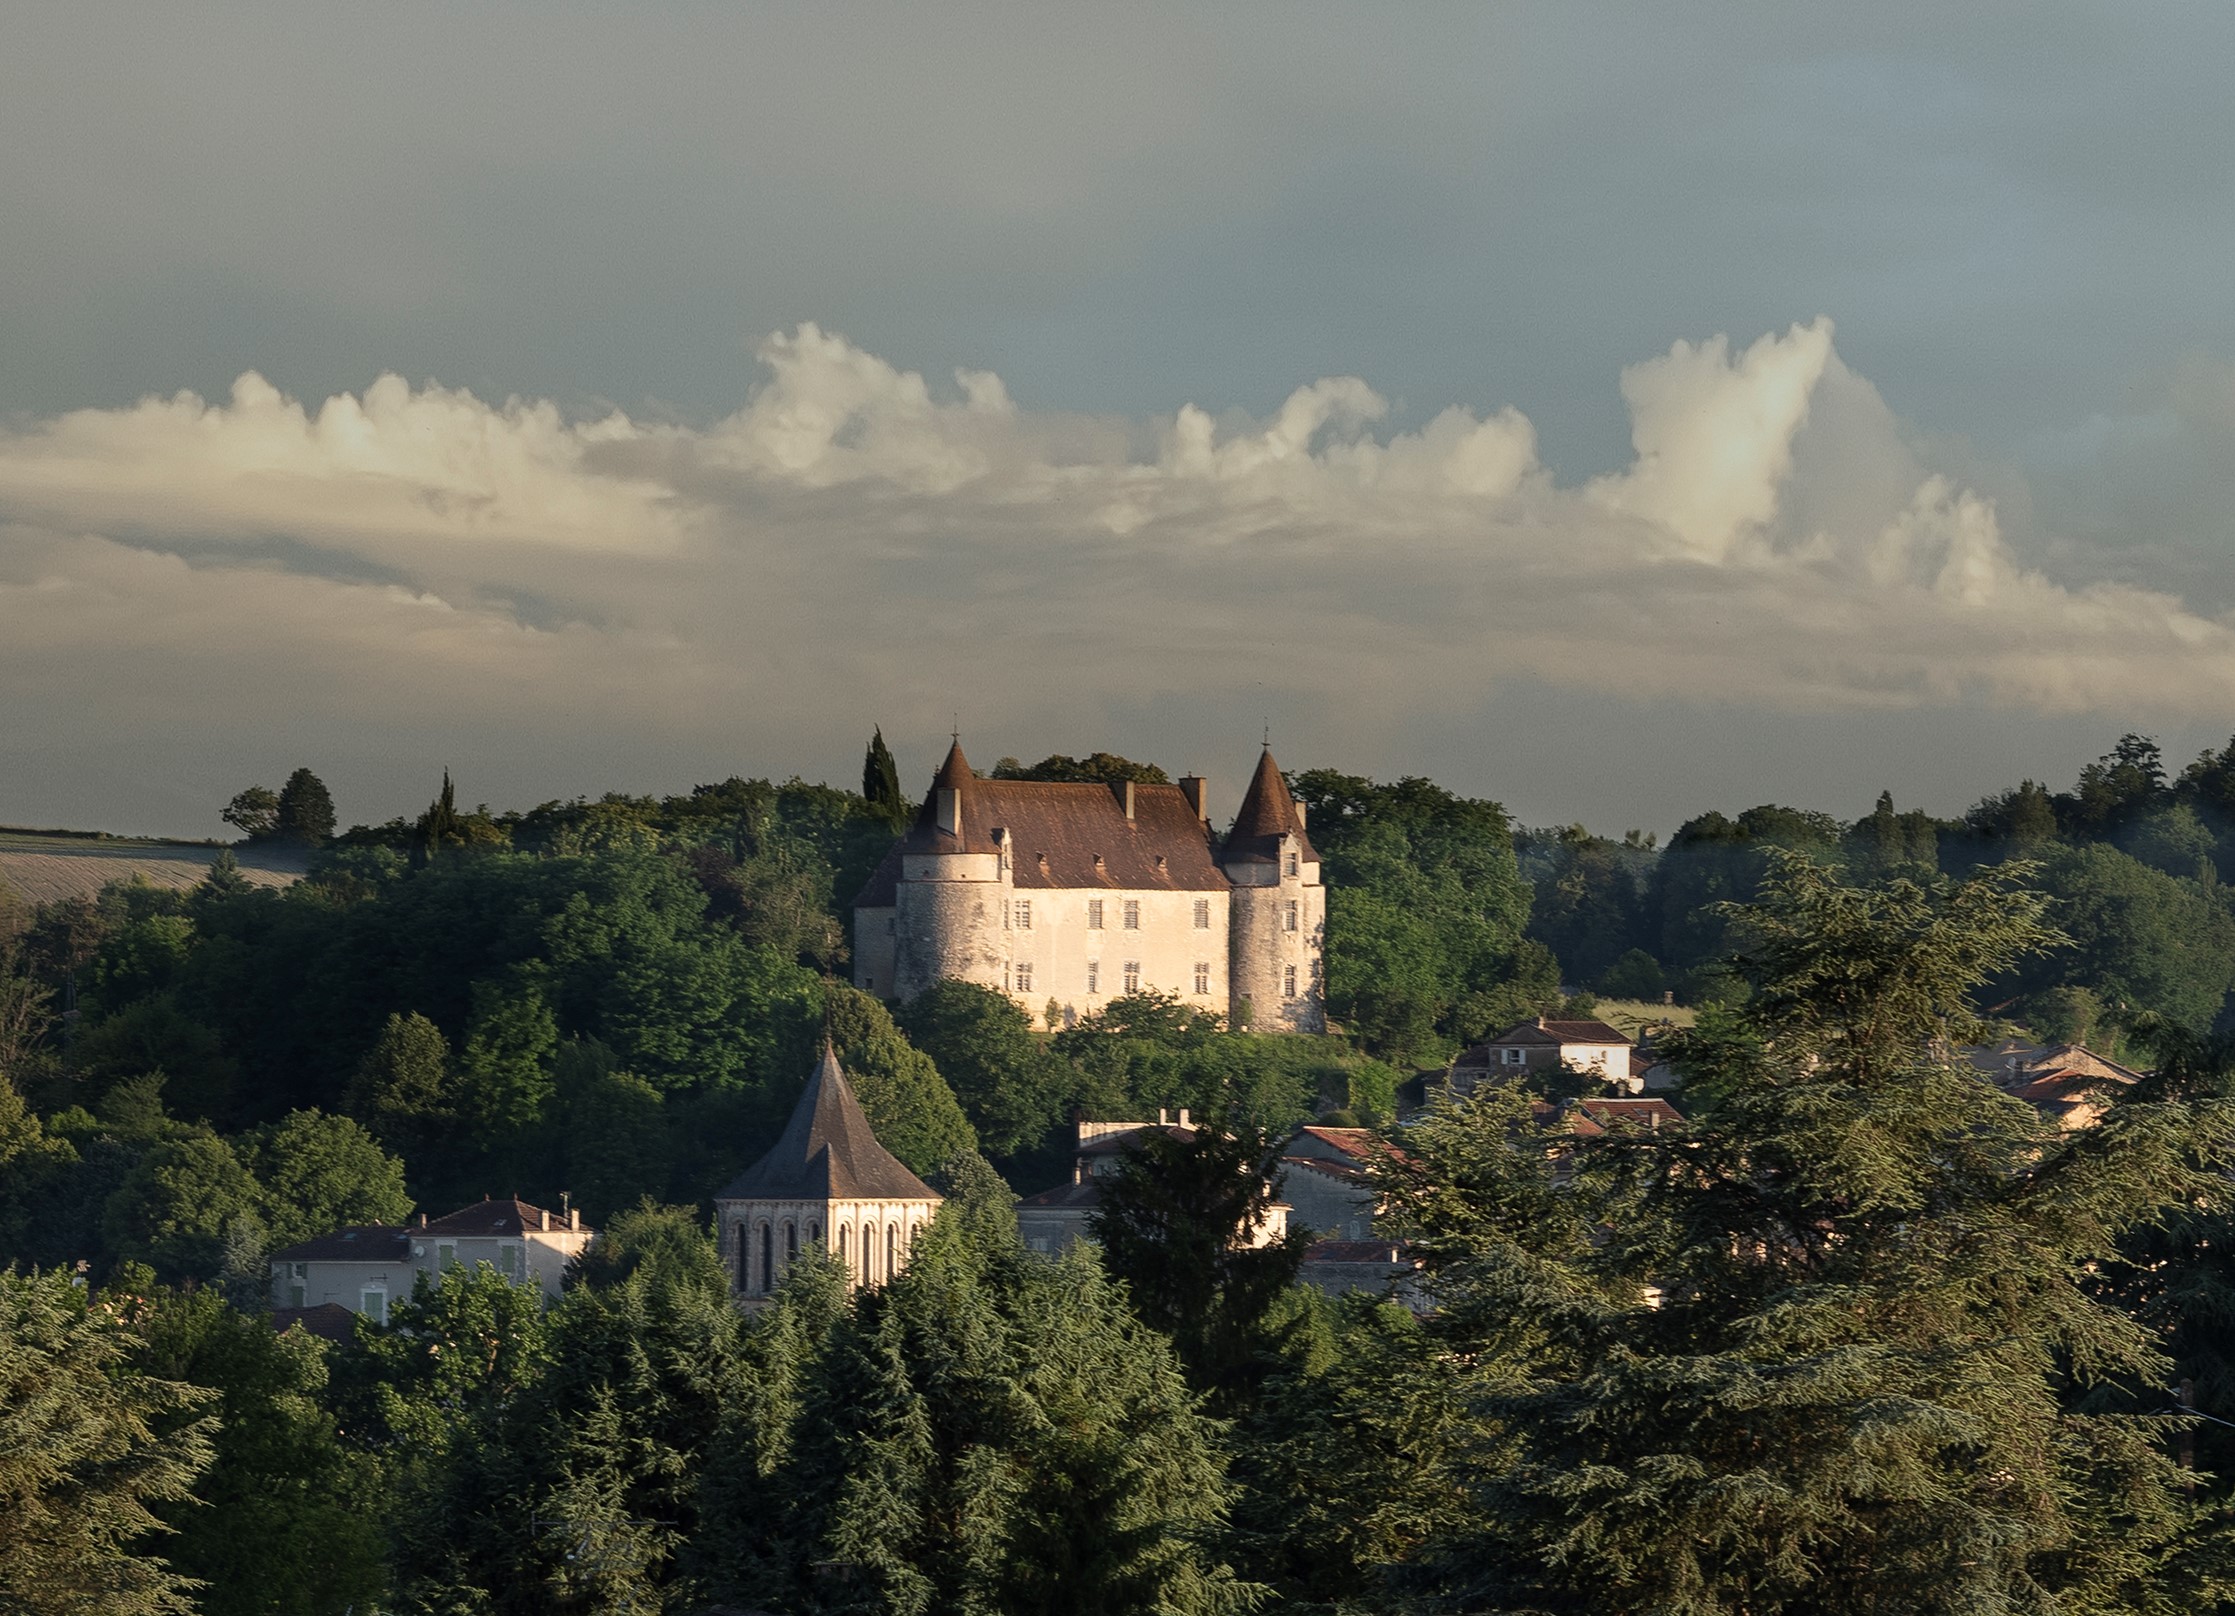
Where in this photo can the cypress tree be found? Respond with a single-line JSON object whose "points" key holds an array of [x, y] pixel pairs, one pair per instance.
{"points": [[880, 779]]}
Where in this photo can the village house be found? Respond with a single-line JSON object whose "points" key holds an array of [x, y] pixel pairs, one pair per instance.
{"points": [[2068, 1083], [1065, 895], [826, 1182], [1548, 1044], [366, 1270]]}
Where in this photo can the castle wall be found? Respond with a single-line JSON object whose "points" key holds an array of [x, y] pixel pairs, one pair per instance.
{"points": [[1083, 967]]}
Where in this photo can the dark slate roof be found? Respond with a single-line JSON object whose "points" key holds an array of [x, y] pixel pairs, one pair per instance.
{"points": [[1086, 1193], [329, 1321], [1061, 833], [1545, 1031], [1267, 814], [498, 1218], [367, 1242], [828, 1152], [1357, 1251]]}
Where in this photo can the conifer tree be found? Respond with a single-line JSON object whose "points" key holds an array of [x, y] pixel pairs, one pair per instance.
{"points": [[1816, 1352], [90, 1449], [304, 813], [880, 779]]}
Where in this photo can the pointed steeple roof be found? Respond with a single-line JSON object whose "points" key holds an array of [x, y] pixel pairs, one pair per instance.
{"points": [[955, 773], [828, 1151], [1267, 814]]}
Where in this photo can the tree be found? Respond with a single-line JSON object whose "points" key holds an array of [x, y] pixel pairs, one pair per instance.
{"points": [[1010, 1088], [441, 825], [880, 780], [915, 1113], [175, 1206], [90, 1449], [277, 1523], [322, 1173], [403, 1088], [1180, 1223], [254, 812], [1813, 1352], [1102, 768], [304, 813], [2140, 939]]}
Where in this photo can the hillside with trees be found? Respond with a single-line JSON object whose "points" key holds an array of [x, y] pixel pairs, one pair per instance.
{"points": [[1864, 1322]]}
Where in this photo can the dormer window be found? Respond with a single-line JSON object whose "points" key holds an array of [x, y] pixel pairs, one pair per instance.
{"points": [[1295, 864]]}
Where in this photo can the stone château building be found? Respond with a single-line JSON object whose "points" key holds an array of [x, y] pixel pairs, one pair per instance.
{"points": [[1066, 895], [825, 1182]]}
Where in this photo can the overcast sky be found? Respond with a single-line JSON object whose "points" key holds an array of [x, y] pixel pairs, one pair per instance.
{"points": [[1619, 411]]}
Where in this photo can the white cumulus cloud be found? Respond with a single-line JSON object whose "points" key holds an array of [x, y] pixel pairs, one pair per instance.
{"points": [[415, 561]]}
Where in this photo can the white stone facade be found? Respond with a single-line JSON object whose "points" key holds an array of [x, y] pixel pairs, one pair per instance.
{"points": [[1022, 888]]}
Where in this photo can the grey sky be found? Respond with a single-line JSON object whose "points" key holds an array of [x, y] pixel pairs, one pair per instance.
{"points": [[2019, 217]]}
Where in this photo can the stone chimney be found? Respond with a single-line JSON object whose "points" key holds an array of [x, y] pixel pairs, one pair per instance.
{"points": [[574, 1218], [1193, 788], [1125, 795], [542, 1221]]}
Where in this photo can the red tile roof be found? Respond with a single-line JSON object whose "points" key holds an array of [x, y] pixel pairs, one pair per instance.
{"points": [[488, 1219]]}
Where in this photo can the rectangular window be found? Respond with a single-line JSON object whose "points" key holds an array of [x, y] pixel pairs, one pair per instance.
{"points": [[296, 1294], [1024, 914], [1132, 976], [1512, 1057], [1132, 914], [374, 1305], [1202, 914], [1094, 914], [1288, 982], [1293, 863], [1288, 916], [1094, 976], [508, 1261], [1024, 978], [1202, 977], [446, 1256]]}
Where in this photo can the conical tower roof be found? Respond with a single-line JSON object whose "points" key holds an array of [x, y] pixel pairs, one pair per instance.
{"points": [[828, 1151], [1267, 814], [955, 773]]}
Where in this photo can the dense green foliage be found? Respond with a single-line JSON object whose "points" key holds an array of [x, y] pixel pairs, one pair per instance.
{"points": [[1864, 1335]]}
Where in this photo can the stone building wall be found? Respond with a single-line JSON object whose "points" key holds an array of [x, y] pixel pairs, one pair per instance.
{"points": [[1279, 943]]}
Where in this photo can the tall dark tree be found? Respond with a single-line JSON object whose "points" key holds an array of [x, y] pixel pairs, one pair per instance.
{"points": [[1182, 1223], [304, 813], [441, 825], [880, 779]]}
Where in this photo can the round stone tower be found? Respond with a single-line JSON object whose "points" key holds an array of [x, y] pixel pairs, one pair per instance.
{"points": [[1278, 933], [953, 891]]}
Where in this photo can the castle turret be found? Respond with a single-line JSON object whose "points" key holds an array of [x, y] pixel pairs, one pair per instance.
{"points": [[950, 909], [1279, 926]]}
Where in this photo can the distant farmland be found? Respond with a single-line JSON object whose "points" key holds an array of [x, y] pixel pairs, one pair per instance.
{"points": [[41, 866]]}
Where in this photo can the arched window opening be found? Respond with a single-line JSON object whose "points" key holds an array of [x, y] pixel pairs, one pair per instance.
{"points": [[768, 1261], [744, 1238], [814, 1233], [791, 1242], [892, 1249], [842, 1233]]}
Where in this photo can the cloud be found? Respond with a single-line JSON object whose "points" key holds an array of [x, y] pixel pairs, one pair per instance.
{"points": [[857, 541]]}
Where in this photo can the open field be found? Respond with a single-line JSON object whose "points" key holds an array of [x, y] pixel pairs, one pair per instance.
{"points": [[1630, 1014], [39, 867]]}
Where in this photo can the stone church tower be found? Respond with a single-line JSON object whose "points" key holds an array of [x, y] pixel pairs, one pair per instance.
{"points": [[825, 1182]]}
